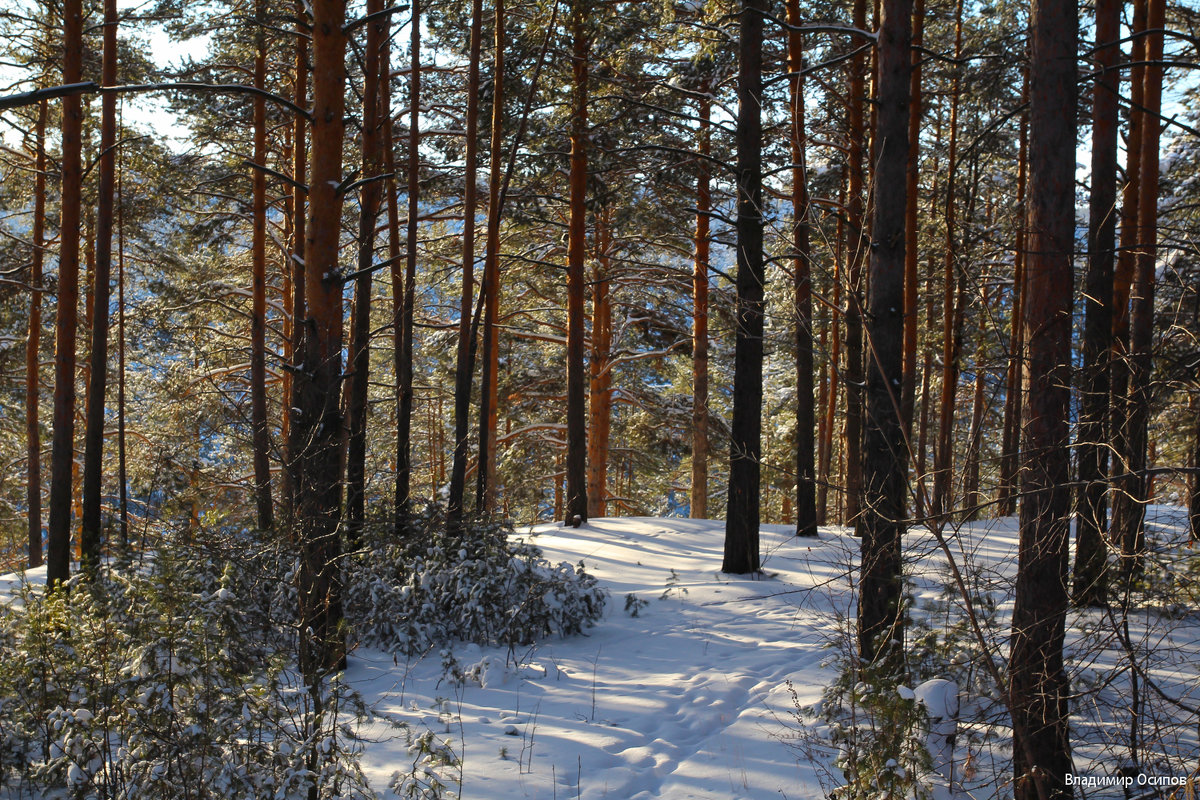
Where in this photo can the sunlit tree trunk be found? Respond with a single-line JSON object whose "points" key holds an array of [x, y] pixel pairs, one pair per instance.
{"points": [[700, 448], [600, 372], [1038, 685], [806, 496], [62, 453], [745, 445], [880, 524], [576, 501], [1090, 580], [318, 375]]}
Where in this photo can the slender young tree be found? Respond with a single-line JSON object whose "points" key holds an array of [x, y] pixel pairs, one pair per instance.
{"points": [[745, 445], [908, 387], [806, 494], [1038, 687], [885, 456], [576, 502], [260, 431], [1090, 578], [700, 262], [464, 362], [62, 453], [33, 434], [404, 358], [360, 335]]}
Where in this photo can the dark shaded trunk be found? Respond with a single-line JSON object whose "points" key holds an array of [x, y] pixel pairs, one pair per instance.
{"points": [[576, 501], [880, 628], [806, 495], [33, 433], [858, 247], [745, 445], [404, 359], [318, 376], [258, 308], [1129, 521], [700, 448], [360, 335], [1038, 683], [62, 452], [1090, 587], [464, 359], [912, 231]]}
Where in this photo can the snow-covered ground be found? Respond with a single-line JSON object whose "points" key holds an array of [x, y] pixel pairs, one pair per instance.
{"points": [[690, 698]]}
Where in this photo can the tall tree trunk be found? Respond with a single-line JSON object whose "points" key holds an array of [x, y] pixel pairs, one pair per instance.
{"points": [[1194, 481], [858, 248], [600, 372], [1129, 525], [404, 372], [258, 313], [317, 477], [93, 439], [485, 489], [700, 449], [806, 495], [62, 453], [577, 506], [1014, 382], [1038, 685], [464, 362], [1090, 586], [296, 258], [1123, 280], [33, 434], [360, 341], [880, 524], [829, 409], [912, 231], [122, 474], [943, 473], [745, 445]]}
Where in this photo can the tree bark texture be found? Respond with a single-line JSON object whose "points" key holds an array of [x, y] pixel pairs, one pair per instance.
{"points": [[745, 445], [576, 500], [700, 263], [33, 433], [62, 453], [600, 388], [1090, 587], [806, 495], [404, 366], [1038, 685], [885, 460], [317, 477]]}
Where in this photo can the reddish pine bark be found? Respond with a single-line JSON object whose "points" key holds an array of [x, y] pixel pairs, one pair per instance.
{"points": [[404, 365], [33, 435], [699, 492]]}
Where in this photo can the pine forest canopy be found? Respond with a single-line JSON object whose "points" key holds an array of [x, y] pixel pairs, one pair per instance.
{"points": [[792, 262]]}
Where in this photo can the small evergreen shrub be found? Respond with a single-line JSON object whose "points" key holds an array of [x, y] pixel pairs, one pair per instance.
{"points": [[166, 680], [408, 594]]}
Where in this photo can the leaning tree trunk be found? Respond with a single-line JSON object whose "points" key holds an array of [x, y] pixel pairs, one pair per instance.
{"points": [[1038, 686], [576, 506], [318, 375], [880, 630], [745, 445], [806, 494], [33, 474], [1090, 587], [62, 453]]}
